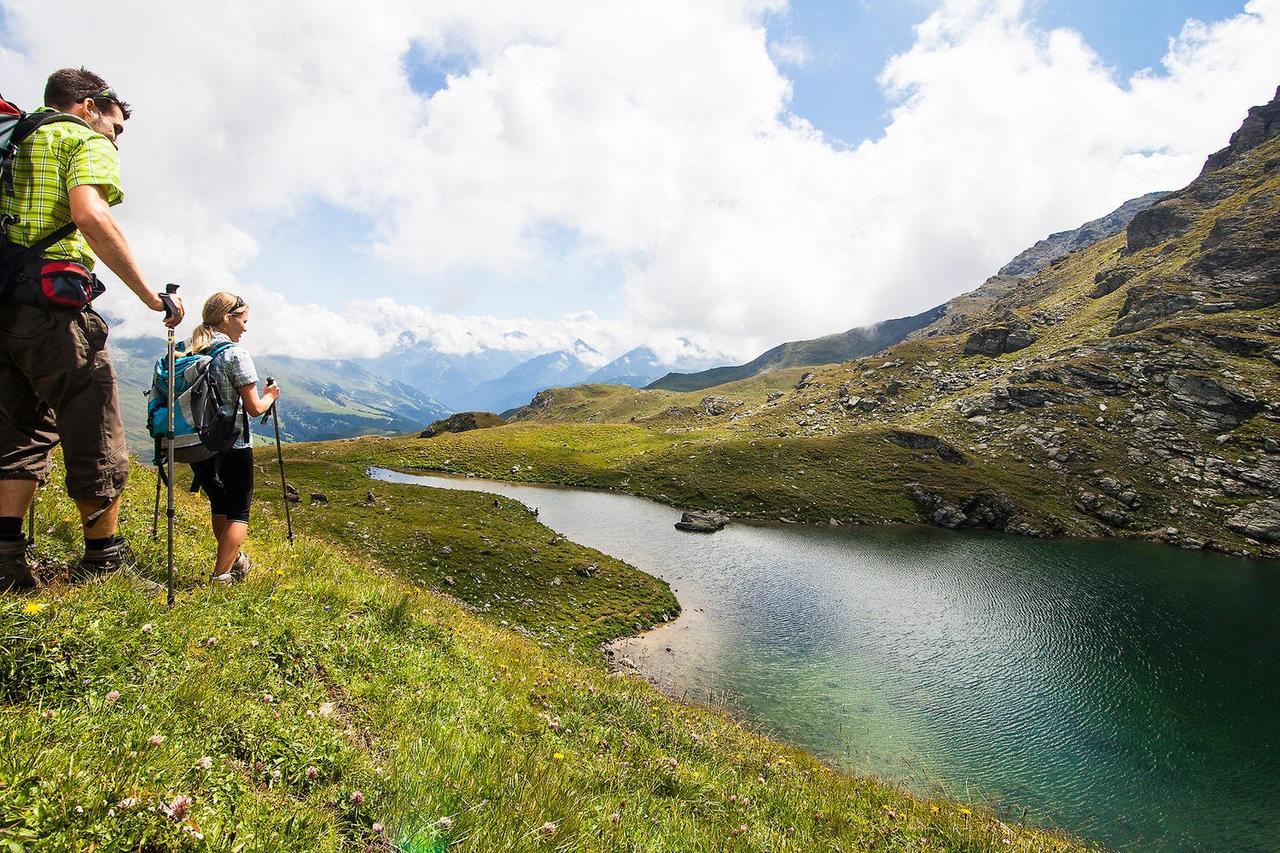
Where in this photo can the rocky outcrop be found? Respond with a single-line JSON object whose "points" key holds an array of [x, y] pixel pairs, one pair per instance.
{"points": [[714, 406], [982, 510], [1259, 520], [463, 422], [1111, 279], [920, 441], [702, 521], [1261, 124], [1159, 223], [1145, 305], [1210, 403], [1000, 338]]}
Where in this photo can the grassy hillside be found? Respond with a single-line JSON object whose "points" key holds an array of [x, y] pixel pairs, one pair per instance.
{"points": [[1129, 389], [333, 703]]}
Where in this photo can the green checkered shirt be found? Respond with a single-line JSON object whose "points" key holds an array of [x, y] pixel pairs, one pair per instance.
{"points": [[58, 156]]}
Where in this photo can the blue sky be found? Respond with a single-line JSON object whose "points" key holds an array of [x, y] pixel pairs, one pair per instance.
{"points": [[848, 43], [630, 173], [851, 40]]}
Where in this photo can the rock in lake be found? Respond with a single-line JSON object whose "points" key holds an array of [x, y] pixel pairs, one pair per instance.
{"points": [[702, 521]]}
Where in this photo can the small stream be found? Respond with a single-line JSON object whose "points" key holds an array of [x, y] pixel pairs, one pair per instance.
{"points": [[1126, 692]]}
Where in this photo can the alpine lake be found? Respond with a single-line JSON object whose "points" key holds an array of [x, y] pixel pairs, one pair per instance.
{"points": [[1124, 692]]}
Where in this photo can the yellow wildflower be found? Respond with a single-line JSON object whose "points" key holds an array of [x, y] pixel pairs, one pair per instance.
{"points": [[559, 756], [965, 811], [31, 608]]}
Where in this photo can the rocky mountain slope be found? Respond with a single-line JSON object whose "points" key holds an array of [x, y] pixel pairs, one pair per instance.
{"points": [[1130, 388], [868, 340]]}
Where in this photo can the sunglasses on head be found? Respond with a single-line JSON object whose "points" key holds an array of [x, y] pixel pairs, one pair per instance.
{"points": [[235, 309]]}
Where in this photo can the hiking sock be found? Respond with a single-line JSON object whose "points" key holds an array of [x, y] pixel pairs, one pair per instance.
{"points": [[101, 544], [11, 528]]}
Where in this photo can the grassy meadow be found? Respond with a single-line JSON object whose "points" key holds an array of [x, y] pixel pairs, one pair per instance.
{"points": [[334, 702]]}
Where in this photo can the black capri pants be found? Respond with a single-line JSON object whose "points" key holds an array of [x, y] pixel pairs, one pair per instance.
{"points": [[227, 479]]}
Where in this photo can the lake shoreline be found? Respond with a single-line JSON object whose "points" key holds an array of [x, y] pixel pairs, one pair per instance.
{"points": [[1159, 537]]}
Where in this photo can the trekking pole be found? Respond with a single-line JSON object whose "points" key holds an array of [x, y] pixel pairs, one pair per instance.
{"points": [[170, 310], [284, 486], [155, 513]]}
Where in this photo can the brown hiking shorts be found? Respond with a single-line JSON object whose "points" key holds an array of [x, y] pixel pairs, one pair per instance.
{"points": [[57, 384]]}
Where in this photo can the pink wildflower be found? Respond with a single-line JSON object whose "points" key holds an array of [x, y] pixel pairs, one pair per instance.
{"points": [[445, 823], [267, 698], [615, 818], [146, 629], [212, 641], [377, 827], [112, 697], [178, 809], [549, 828], [156, 740], [313, 772], [357, 798], [205, 763]]}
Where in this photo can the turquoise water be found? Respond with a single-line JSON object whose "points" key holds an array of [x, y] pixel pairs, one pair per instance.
{"points": [[1128, 693]]}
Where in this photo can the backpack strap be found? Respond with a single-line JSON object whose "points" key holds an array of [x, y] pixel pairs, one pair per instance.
{"points": [[28, 124]]}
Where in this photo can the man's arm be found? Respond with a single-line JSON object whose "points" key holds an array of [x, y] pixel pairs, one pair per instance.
{"points": [[92, 215]]}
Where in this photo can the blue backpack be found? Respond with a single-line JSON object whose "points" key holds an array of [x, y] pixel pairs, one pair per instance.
{"points": [[201, 430]]}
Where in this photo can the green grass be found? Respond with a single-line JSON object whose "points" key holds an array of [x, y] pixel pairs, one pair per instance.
{"points": [[342, 706], [486, 552]]}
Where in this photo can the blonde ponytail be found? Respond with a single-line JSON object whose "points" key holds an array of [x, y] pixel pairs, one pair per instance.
{"points": [[216, 308]]}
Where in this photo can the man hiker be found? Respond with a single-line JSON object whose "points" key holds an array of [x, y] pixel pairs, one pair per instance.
{"points": [[56, 379]]}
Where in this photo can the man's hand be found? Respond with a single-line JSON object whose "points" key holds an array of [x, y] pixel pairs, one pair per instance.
{"points": [[172, 305]]}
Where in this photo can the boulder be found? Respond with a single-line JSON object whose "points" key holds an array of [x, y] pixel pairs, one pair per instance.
{"points": [[702, 521], [319, 498], [1259, 520], [462, 422], [715, 406], [1010, 335]]}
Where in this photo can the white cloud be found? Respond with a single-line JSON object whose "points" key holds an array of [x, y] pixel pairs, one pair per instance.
{"points": [[657, 131]]}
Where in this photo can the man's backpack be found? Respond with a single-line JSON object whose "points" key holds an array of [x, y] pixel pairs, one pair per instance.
{"points": [[201, 430], [24, 275]]}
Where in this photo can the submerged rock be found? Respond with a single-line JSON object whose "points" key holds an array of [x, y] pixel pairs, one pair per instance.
{"points": [[702, 521]]}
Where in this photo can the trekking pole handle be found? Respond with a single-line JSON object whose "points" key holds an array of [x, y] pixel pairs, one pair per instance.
{"points": [[270, 381], [170, 308]]}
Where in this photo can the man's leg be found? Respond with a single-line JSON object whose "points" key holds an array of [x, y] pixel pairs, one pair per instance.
{"points": [[69, 369], [15, 497], [27, 435]]}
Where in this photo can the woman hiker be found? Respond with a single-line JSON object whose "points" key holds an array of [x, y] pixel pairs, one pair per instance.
{"points": [[227, 479]]}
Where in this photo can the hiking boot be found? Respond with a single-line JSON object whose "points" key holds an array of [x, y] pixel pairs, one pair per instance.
{"points": [[15, 570], [102, 561], [239, 570]]}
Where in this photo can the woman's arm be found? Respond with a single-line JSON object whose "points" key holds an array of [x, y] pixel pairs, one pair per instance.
{"points": [[255, 405]]}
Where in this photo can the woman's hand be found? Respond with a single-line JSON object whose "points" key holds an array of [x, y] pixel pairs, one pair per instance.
{"points": [[255, 404]]}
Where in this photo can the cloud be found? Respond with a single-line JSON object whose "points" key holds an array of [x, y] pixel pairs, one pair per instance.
{"points": [[658, 134]]}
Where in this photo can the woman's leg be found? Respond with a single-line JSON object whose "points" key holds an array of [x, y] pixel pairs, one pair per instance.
{"points": [[229, 542], [237, 478]]}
